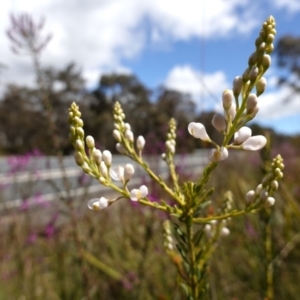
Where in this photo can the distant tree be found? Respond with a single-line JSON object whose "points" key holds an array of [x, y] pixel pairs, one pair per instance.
{"points": [[23, 125], [288, 57], [135, 99]]}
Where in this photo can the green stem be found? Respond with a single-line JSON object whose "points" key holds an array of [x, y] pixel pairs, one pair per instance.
{"points": [[193, 279]]}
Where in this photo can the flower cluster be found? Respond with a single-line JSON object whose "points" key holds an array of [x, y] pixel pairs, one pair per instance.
{"points": [[262, 196], [239, 104], [99, 164]]}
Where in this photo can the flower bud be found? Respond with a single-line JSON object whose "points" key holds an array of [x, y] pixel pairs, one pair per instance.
{"points": [[107, 158], [129, 135], [251, 103], [224, 231], [103, 169], [219, 122], [90, 141], [254, 143], [261, 86], [128, 172], [217, 155], [97, 156], [266, 61], [227, 98], [198, 130], [80, 132], [250, 197], [252, 59], [127, 126], [231, 112], [243, 134], [237, 85], [78, 158], [79, 145], [117, 135], [253, 73], [274, 185], [270, 201], [140, 143], [120, 148]]}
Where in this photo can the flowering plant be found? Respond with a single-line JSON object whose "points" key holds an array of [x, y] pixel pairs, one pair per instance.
{"points": [[189, 199]]}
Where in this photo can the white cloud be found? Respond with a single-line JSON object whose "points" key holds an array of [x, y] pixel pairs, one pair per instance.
{"points": [[291, 5], [278, 104], [98, 35], [205, 89]]}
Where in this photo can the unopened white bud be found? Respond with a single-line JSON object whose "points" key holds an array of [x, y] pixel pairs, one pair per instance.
{"points": [[227, 98], [120, 148], [250, 197], [78, 158], [107, 157], [79, 145], [254, 143], [103, 169], [219, 122], [258, 190], [129, 135], [237, 85], [140, 143], [224, 231], [117, 135], [270, 201], [198, 130], [90, 141], [127, 126], [274, 185], [231, 112], [253, 73], [266, 61], [128, 172], [261, 86], [251, 103], [264, 194], [243, 134], [97, 156]]}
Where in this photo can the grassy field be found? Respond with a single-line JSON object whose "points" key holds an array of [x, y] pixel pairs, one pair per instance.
{"points": [[65, 251]]}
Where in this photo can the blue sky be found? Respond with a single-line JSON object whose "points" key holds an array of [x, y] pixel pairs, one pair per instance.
{"points": [[192, 45]]}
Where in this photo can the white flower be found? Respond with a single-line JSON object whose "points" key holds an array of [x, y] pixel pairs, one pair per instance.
{"points": [[137, 194], [254, 143], [243, 134], [97, 204], [117, 174], [218, 154], [198, 130]]}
